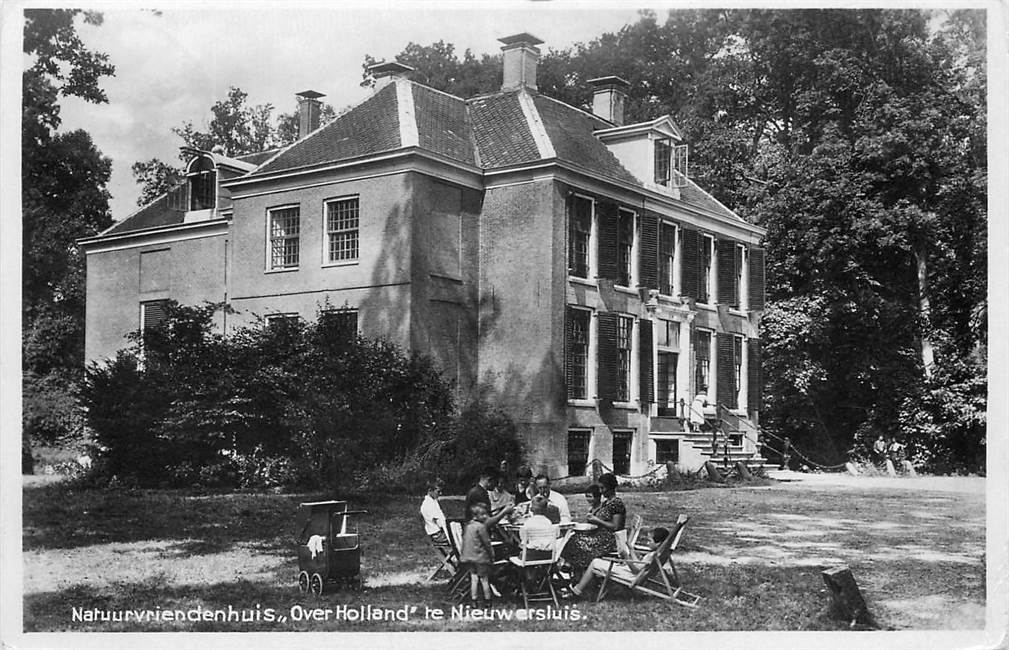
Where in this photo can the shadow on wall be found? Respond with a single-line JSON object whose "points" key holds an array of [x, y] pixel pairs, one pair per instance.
{"points": [[382, 311]]}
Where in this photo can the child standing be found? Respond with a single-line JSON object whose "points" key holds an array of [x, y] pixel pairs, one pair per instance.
{"points": [[477, 553]]}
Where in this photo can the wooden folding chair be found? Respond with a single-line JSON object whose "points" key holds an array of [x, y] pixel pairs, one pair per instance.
{"points": [[448, 557], [655, 577], [536, 575], [458, 586]]}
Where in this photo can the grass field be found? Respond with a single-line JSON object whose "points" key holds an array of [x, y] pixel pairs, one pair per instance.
{"points": [[754, 554]]}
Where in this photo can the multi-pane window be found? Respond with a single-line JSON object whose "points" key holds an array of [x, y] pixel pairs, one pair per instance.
{"points": [[704, 290], [739, 261], [622, 452], [342, 229], [339, 324], [202, 179], [282, 320], [667, 258], [663, 161], [625, 247], [625, 325], [578, 452], [668, 344], [667, 450], [285, 237], [578, 347], [702, 369], [737, 363], [579, 235]]}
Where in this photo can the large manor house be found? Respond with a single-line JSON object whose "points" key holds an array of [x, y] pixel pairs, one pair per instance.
{"points": [[559, 261]]}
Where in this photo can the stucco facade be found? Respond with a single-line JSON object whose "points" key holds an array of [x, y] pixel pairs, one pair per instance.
{"points": [[532, 249]]}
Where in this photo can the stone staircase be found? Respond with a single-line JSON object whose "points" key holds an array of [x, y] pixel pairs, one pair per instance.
{"points": [[701, 443]]}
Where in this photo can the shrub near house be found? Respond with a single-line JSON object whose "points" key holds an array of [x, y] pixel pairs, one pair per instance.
{"points": [[286, 403]]}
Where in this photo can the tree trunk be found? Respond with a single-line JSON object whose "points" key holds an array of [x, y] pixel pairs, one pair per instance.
{"points": [[927, 353]]}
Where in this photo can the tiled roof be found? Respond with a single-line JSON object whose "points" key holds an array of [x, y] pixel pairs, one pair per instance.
{"points": [[571, 133], [501, 131], [488, 131], [152, 215], [443, 124], [695, 196], [259, 157], [370, 127]]}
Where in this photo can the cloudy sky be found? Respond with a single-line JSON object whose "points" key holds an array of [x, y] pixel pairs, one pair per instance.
{"points": [[172, 67]]}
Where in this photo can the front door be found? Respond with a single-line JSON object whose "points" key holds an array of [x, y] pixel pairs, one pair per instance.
{"points": [[622, 452]]}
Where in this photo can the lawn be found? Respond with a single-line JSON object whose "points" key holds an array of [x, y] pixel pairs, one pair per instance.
{"points": [[754, 554]]}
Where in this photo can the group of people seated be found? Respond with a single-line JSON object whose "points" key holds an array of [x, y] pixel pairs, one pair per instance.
{"points": [[527, 502]]}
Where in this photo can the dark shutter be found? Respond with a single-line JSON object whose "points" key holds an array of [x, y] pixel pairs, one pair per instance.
{"points": [[725, 370], [569, 336], [609, 232], [690, 245], [649, 255], [607, 353], [155, 314], [756, 279], [726, 261], [645, 361], [754, 377]]}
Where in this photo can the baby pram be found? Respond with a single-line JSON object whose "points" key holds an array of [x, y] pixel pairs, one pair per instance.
{"points": [[329, 547]]}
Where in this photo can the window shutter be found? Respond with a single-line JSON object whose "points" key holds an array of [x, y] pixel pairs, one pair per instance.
{"points": [[754, 377], [568, 340], [609, 233], [649, 255], [726, 272], [645, 361], [569, 212], [690, 245], [155, 314], [756, 279], [607, 353], [725, 369]]}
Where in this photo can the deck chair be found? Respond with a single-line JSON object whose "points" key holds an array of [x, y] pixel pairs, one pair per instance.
{"points": [[656, 577], [536, 576], [634, 534], [458, 586], [448, 557]]}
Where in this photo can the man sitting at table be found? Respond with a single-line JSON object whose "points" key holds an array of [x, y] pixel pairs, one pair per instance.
{"points": [[556, 499], [540, 548], [479, 492]]}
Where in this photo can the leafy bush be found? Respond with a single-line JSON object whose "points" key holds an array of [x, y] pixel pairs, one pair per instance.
{"points": [[281, 404]]}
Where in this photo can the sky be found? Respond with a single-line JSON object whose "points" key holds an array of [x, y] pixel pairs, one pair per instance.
{"points": [[172, 67]]}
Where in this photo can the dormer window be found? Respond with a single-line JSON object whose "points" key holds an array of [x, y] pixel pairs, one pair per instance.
{"points": [[201, 177], [670, 163]]}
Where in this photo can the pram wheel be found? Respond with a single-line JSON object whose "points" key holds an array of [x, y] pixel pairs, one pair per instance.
{"points": [[303, 582], [315, 585]]}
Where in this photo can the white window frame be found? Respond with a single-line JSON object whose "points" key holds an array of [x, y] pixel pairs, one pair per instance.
{"points": [[326, 233], [633, 366], [281, 316], [347, 310], [711, 279], [675, 288], [593, 262], [743, 278], [269, 238], [712, 386], [632, 276], [589, 358], [741, 400]]}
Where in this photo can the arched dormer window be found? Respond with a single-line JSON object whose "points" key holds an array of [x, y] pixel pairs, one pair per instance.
{"points": [[201, 176]]}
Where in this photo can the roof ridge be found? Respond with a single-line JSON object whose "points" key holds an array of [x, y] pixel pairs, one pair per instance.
{"points": [[544, 145], [319, 130], [493, 93], [434, 90]]}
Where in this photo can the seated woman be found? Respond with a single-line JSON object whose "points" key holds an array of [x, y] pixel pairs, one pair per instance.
{"points": [[607, 513], [599, 568]]}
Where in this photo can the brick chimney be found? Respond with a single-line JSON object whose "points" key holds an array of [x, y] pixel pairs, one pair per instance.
{"points": [[384, 73], [309, 110], [520, 58], [609, 94]]}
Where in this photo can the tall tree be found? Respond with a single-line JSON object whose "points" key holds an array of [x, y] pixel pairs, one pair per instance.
{"points": [[64, 197]]}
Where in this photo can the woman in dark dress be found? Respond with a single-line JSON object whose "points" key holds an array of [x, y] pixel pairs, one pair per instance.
{"points": [[607, 513]]}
